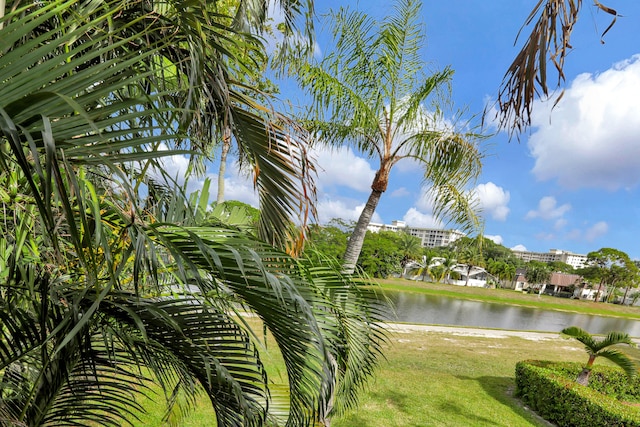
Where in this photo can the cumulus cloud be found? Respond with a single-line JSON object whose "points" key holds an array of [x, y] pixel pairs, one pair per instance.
{"points": [[400, 192], [415, 218], [597, 230], [590, 233], [494, 200], [591, 139], [496, 239], [344, 168], [519, 248], [329, 209], [548, 209]]}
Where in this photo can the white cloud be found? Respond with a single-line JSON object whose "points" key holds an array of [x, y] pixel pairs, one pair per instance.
{"points": [[560, 223], [415, 218], [521, 248], [597, 230], [545, 236], [589, 234], [494, 200], [343, 167], [329, 209], [400, 192], [496, 239], [591, 139], [236, 187], [174, 167], [548, 209]]}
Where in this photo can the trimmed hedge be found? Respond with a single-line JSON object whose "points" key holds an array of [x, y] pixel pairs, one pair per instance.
{"points": [[549, 388]]}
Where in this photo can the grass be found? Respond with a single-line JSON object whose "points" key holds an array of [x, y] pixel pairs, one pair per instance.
{"points": [[441, 379], [434, 379], [507, 296]]}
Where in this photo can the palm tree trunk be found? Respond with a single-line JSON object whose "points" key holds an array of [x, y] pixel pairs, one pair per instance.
{"points": [[226, 145], [598, 292], [354, 245], [624, 298], [583, 377]]}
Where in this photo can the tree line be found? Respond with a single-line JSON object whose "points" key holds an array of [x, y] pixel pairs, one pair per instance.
{"points": [[389, 253]]}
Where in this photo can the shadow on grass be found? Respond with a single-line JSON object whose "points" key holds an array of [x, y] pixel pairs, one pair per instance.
{"points": [[474, 417], [397, 401], [502, 389]]}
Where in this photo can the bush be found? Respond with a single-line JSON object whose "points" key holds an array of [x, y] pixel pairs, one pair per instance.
{"points": [[550, 389]]}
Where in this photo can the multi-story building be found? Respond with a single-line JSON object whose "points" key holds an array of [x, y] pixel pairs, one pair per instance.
{"points": [[429, 237], [574, 260]]}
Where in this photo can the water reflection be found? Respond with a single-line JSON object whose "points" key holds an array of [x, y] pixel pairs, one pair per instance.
{"points": [[429, 309]]}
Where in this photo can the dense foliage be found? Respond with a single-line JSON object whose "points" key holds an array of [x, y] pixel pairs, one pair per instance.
{"points": [[549, 389], [111, 278]]}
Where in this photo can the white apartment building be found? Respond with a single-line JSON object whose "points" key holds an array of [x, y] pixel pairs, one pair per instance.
{"points": [[430, 237], [574, 260]]}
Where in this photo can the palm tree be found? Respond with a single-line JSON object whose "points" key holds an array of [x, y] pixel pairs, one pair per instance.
{"points": [[549, 41], [370, 92], [601, 348], [110, 279], [409, 247], [428, 259], [470, 257], [537, 273], [448, 263]]}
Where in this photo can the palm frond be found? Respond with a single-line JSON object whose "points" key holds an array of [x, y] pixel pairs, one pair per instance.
{"points": [[582, 336], [616, 337], [621, 360]]}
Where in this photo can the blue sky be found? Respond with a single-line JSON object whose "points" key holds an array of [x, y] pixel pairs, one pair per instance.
{"points": [[572, 182]]}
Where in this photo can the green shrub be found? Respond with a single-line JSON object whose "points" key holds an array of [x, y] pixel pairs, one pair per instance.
{"points": [[550, 389]]}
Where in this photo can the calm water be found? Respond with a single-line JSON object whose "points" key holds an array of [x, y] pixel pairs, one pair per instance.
{"points": [[427, 309]]}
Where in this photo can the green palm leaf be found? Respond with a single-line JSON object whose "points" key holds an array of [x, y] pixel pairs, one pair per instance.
{"points": [[621, 360]]}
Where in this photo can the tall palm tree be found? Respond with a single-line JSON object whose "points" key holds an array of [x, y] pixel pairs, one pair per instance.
{"points": [[370, 92], [601, 348], [107, 272]]}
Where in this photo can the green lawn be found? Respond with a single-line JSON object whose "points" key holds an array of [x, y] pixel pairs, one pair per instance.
{"points": [[440, 379], [436, 379], [507, 296]]}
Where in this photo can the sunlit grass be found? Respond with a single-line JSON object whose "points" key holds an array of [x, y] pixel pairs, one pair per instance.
{"points": [[430, 379]]}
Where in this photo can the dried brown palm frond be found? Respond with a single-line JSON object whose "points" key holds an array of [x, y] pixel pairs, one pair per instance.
{"points": [[548, 42]]}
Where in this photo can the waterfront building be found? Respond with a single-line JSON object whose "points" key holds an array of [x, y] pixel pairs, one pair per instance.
{"points": [[574, 260], [429, 237]]}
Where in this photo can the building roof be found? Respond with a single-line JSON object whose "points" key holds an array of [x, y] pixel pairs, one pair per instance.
{"points": [[564, 279]]}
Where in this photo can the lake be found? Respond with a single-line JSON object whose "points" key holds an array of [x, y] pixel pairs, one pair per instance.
{"points": [[439, 310]]}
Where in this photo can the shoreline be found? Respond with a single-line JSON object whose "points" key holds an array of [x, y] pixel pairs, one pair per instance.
{"points": [[471, 331]]}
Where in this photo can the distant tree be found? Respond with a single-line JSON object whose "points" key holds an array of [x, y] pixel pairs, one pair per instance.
{"points": [[426, 264], [371, 92], [537, 273], [470, 257], [329, 240], [502, 270], [380, 256], [410, 248], [633, 282], [612, 266], [561, 267], [602, 348], [448, 263]]}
